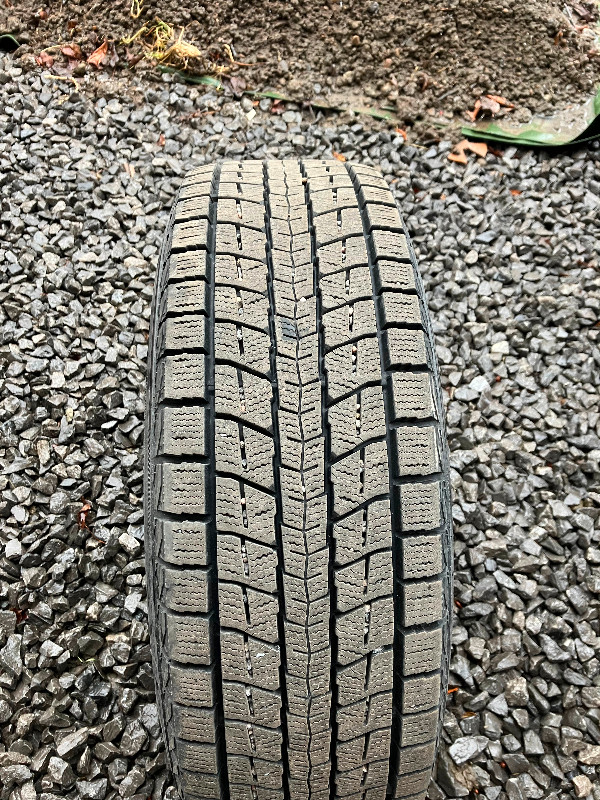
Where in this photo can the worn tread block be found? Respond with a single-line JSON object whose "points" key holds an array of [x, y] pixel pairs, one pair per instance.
{"points": [[401, 309], [192, 687], [410, 785], [373, 774], [190, 234], [349, 322], [412, 396], [185, 297], [356, 419], [245, 347], [243, 395], [187, 265], [248, 659], [181, 377], [181, 431], [373, 623], [187, 639], [404, 348], [422, 651], [239, 791], [420, 506], [351, 366], [414, 759], [331, 199], [337, 224], [247, 562], [236, 240], [195, 724], [184, 590], [344, 287], [365, 715], [421, 557], [363, 532], [383, 216], [241, 212], [255, 771], [371, 746], [343, 254], [360, 476], [421, 693], [197, 757], [369, 675], [252, 740], [251, 704], [418, 728], [248, 610], [193, 207], [182, 543], [182, 488], [244, 452], [200, 785], [394, 276], [422, 603], [242, 307], [389, 244], [242, 509], [241, 273], [364, 580], [183, 333], [416, 450], [373, 194]]}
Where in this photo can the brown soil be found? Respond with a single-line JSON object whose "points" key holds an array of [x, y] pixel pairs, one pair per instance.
{"points": [[429, 61]]}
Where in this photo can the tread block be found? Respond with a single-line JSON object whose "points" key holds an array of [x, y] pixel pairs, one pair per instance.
{"points": [[190, 234], [344, 287], [420, 506], [418, 728], [421, 694], [371, 746], [306, 640], [331, 199], [254, 772], [375, 194], [364, 580], [366, 715], [343, 254], [182, 543], [187, 266], [183, 333], [252, 740], [422, 603], [241, 273], [421, 557], [248, 659], [187, 297], [248, 610], [365, 629], [181, 377], [415, 759], [250, 704], [244, 452], [238, 791], [242, 307], [412, 396], [410, 785], [404, 348], [182, 488], [356, 419], [244, 510], [308, 484], [422, 651], [395, 276], [351, 366], [180, 431], [197, 757], [184, 590], [417, 450], [389, 244], [245, 347], [200, 785], [196, 189], [298, 610], [193, 207], [187, 639], [241, 212], [191, 687], [341, 223], [362, 532], [401, 309], [236, 240], [360, 476], [373, 774], [302, 700], [349, 322], [247, 562], [195, 724], [383, 216], [243, 395]]}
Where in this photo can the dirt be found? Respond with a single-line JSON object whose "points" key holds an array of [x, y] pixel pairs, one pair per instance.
{"points": [[426, 62]]}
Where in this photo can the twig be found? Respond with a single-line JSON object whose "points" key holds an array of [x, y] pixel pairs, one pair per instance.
{"points": [[62, 78]]}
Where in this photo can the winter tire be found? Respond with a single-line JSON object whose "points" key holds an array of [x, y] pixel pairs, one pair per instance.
{"points": [[298, 532]]}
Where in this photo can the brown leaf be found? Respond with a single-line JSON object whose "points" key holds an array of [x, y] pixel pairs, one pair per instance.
{"points": [[44, 60], [161, 140], [501, 100], [516, 192], [71, 24], [339, 156], [238, 85], [98, 56], [72, 51], [82, 516], [402, 133], [479, 148], [487, 103], [476, 108], [460, 158]]}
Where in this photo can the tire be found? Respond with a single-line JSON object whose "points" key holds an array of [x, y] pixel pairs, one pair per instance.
{"points": [[298, 531]]}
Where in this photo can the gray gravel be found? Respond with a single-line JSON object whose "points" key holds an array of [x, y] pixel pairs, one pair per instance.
{"points": [[508, 251]]}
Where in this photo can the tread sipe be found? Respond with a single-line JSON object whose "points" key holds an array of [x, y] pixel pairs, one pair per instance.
{"points": [[297, 498]]}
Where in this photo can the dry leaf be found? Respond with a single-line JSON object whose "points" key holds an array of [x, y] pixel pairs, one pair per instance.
{"points": [[83, 512], [489, 104], [339, 156], [501, 100], [515, 192], [72, 51], [402, 133], [238, 85], [460, 158], [473, 114], [161, 140], [98, 56], [44, 60], [479, 148]]}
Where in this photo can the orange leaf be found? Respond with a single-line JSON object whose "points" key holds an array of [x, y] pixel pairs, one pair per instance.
{"points": [[515, 192], [99, 55], [402, 133], [339, 156], [479, 148], [460, 158], [501, 100], [44, 60], [476, 108], [161, 140], [72, 51]]}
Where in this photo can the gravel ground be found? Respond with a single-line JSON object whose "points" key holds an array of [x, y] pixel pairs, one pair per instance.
{"points": [[508, 252]]}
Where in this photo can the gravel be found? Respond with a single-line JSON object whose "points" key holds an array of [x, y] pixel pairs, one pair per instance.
{"points": [[509, 255]]}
